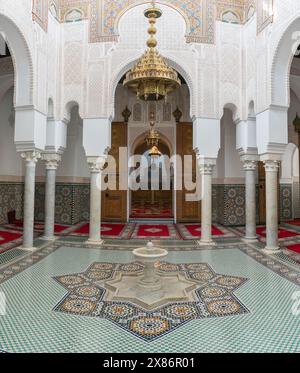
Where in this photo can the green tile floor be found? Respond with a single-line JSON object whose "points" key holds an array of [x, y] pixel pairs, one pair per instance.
{"points": [[30, 325]]}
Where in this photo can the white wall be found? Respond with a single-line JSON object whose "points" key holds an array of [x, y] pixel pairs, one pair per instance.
{"points": [[10, 161], [229, 166], [74, 164]]}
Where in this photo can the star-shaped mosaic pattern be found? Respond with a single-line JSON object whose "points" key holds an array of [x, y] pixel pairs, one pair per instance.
{"points": [[213, 297]]}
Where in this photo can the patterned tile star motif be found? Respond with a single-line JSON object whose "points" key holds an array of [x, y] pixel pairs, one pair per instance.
{"points": [[213, 297]]}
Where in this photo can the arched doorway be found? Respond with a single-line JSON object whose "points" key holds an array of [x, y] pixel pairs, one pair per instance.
{"points": [[131, 118], [154, 198]]}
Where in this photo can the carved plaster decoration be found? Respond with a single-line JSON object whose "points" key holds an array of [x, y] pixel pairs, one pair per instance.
{"points": [[200, 17], [52, 160], [230, 17], [96, 164], [250, 165], [137, 112], [272, 165], [40, 13], [31, 156], [264, 14]]}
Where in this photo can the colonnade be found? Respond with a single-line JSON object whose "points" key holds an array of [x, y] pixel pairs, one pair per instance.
{"points": [[206, 167], [250, 165]]}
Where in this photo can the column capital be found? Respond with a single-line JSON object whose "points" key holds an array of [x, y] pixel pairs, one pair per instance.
{"points": [[206, 165], [51, 160], [31, 156], [96, 164], [249, 165], [271, 165]]}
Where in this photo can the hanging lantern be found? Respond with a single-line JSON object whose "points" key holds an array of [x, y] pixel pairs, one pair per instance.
{"points": [[154, 152], [151, 78]]}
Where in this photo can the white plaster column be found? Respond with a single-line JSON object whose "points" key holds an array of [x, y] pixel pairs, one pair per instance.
{"points": [[96, 166], [31, 159], [272, 167], [51, 162], [250, 167], [206, 167]]}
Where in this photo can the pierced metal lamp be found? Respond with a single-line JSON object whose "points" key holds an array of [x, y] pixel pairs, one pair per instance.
{"points": [[152, 79]]}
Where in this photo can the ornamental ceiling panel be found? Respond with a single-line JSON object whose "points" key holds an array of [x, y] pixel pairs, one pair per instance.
{"points": [[200, 15]]}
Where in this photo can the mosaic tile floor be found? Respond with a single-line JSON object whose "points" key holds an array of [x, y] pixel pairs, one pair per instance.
{"points": [[31, 323]]}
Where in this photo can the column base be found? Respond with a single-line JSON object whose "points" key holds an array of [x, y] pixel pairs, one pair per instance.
{"points": [[45, 238], [29, 249], [206, 243], [250, 239], [271, 250], [95, 242]]}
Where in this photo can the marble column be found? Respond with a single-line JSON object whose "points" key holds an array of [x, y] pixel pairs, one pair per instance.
{"points": [[250, 167], [272, 167], [31, 158], [51, 162], [96, 166], [206, 170]]}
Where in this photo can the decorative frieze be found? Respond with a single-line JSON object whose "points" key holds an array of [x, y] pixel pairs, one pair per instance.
{"points": [[200, 17]]}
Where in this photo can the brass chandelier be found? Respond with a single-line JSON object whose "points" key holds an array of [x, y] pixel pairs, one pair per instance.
{"points": [[152, 138], [151, 79]]}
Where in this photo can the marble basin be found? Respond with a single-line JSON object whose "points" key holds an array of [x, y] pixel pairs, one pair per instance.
{"points": [[149, 256]]}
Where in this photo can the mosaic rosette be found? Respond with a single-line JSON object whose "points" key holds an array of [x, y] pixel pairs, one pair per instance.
{"points": [[224, 307], [131, 267], [78, 306], [117, 311], [213, 297]]}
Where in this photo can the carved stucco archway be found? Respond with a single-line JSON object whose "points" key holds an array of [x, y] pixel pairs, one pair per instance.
{"points": [[127, 65], [22, 61], [281, 63]]}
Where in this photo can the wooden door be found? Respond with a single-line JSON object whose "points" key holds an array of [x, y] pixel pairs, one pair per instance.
{"points": [[187, 211], [114, 202]]}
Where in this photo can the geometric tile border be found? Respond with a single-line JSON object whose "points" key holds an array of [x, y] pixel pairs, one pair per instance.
{"points": [[23, 263], [289, 272], [170, 245], [271, 262], [214, 297]]}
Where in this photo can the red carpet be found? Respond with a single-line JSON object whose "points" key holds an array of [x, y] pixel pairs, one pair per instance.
{"points": [[38, 226], [294, 222], [146, 210], [6, 237], [114, 230], [9, 240], [295, 248], [195, 230], [148, 230], [282, 233]]}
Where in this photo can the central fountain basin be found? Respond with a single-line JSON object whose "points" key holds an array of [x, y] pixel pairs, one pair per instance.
{"points": [[149, 256]]}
